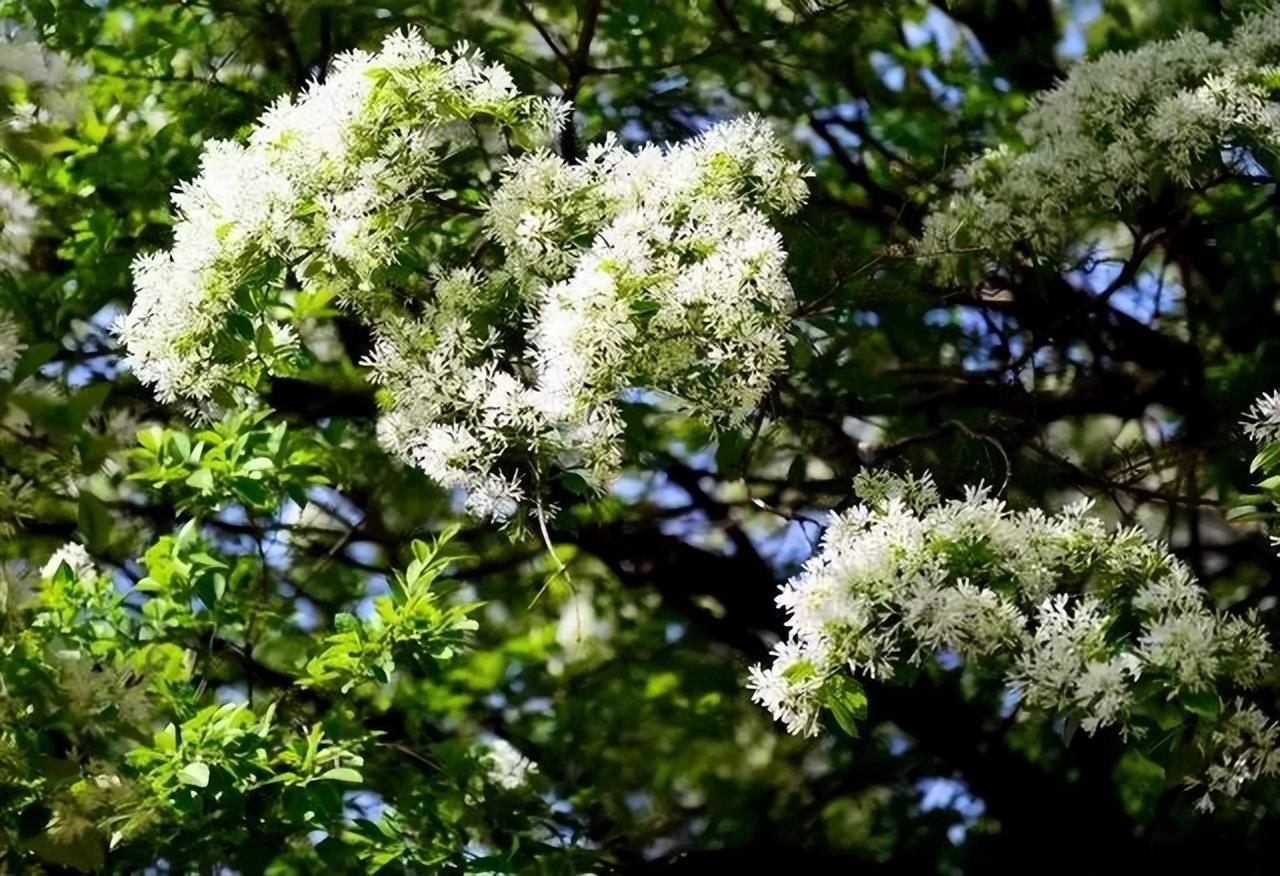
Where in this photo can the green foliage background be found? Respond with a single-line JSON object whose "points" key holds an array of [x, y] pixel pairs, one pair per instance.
{"points": [[297, 652]]}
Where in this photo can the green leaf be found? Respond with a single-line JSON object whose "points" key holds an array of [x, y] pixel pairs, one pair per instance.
{"points": [[31, 360], [575, 483], [1245, 513], [797, 470], [1069, 729], [1267, 458], [729, 450], [263, 340], [644, 306], [95, 522], [1206, 704], [78, 850], [251, 492], [240, 326], [846, 700], [85, 400], [1185, 761], [343, 774], [201, 479], [211, 588], [166, 739], [398, 593], [801, 670], [181, 444], [195, 773], [150, 438]]}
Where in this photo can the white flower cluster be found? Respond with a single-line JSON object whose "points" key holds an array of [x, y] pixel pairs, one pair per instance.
{"points": [[455, 408], [47, 84], [651, 270], [76, 558], [1186, 110], [46, 88], [1246, 747], [11, 345], [505, 766], [326, 188], [655, 270], [36, 73], [1262, 422], [1086, 620], [18, 220], [681, 287]]}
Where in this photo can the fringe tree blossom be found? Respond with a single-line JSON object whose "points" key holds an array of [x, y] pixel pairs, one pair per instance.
{"points": [[1262, 425], [1262, 422], [11, 345], [18, 219], [45, 84], [1246, 747], [649, 270], [40, 89], [76, 558], [681, 287], [655, 270], [1087, 622], [1186, 111], [325, 189], [505, 766]]}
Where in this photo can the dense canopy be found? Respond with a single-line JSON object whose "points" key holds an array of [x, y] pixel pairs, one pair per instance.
{"points": [[617, 436]]}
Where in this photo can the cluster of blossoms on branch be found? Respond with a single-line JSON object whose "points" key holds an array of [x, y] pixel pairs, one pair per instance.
{"points": [[41, 91], [507, 327], [75, 557], [46, 85], [39, 87], [1262, 425], [1262, 422], [650, 270], [1087, 622], [504, 765], [322, 194], [18, 223], [11, 345], [1187, 111]]}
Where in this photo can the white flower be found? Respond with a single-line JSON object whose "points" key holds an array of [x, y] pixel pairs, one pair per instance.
{"points": [[965, 619], [51, 82], [1066, 642], [787, 687], [653, 270], [505, 766], [909, 576], [18, 217], [323, 186], [681, 290], [1244, 748], [75, 556], [11, 346], [494, 497], [1184, 644], [1104, 690], [1262, 422], [1101, 141]]}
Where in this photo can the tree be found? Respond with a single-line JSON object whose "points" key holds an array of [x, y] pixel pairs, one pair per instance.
{"points": [[420, 423]]}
